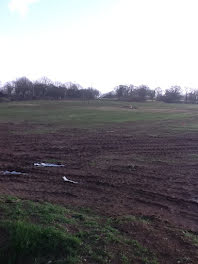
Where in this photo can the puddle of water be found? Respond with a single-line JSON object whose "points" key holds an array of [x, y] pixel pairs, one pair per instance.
{"points": [[13, 173], [43, 164], [67, 180]]}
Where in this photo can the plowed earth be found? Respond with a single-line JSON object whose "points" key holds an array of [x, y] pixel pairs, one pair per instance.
{"points": [[118, 171]]}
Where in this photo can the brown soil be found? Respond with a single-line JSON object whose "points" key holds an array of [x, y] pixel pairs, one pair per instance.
{"points": [[119, 171]]}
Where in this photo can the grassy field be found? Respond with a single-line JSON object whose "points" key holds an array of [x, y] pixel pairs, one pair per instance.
{"points": [[91, 114]]}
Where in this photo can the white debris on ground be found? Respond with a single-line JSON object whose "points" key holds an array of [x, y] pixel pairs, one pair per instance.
{"points": [[67, 180], [42, 164], [13, 173]]}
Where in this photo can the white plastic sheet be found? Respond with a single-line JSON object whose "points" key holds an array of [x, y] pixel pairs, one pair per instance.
{"points": [[43, 164], [67, 180], [12, 173]]}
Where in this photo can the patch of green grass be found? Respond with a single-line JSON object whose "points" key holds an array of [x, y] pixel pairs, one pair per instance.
{"points": [[44, 213], [95, 246], [62, 114], [48, 213], [192, 237], [147, 257], [28, 241], [42, 232], [124, 259]]}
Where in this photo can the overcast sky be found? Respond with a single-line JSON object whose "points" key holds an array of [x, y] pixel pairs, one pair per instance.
{"points": [[101, 43]]}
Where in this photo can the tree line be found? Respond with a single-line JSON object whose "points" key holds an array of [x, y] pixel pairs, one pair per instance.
{"points": [[143, 93], [24, 89]]}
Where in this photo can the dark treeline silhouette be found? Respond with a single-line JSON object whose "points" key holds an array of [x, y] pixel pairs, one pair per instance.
{"points": [[143, 93], [24, 89], [44, 88], [134, 93]]}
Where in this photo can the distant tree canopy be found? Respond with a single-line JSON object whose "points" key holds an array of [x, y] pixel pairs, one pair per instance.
{"points": [[132, 93], [172, 95], [192, 97], [24, 89], [144, 93]]}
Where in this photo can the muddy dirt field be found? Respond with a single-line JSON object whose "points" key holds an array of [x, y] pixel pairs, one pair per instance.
{"points": [[117, 171]]}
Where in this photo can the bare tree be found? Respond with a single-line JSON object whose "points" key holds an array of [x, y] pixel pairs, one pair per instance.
{"points": [[9, 88], [172, 95], [23, 88]]}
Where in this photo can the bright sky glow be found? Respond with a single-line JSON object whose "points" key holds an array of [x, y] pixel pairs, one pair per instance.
{"points": [[21, 6], [100, 43]]}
